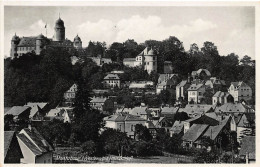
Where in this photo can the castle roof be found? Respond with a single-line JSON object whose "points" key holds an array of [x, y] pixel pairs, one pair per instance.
{"points": [[27, 41], [77, 38], [40, 36], [15, 38], [59, 23]]}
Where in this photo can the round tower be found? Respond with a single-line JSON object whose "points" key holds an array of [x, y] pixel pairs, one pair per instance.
{"points": [[77, 43], [59, 30], [14, 42], [39, 44], [150, 61]]}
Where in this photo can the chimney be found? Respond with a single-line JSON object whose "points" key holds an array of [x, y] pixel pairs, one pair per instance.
{"points": [[29, 126]]}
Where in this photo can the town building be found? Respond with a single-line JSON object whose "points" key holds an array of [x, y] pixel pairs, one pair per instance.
{"points": [[19, 112], [70, 94], [34, 147], [194, 110], [64, 114], [202, 74], [245, 126], [216, 84], [222, 98], [112, 81], [167, 82], [12, 150], [99, 60], [124, 123], [101, 103], [230, 108], [37, 110], [22, 45], [195, 93], [147, 59], [177, 128], [240, 91], [182, 89]]}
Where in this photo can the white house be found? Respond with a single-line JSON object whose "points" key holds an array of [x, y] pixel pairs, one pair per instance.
{"points": [[195, 92], [34, 147], [222, 98], [71, 93], [240, 91], [111, 81]]}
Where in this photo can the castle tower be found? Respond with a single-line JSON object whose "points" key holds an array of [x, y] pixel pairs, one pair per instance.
{"points": [[59, 30], [14, 42], [39, 44], [150, 60], [77, 43]]}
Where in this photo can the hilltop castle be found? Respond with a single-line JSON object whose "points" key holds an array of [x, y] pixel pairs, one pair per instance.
{"points": [[23, 45]]}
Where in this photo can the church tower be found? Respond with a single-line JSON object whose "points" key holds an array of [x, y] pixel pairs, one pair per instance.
{"points": [[59, 30], [77, 43], [14, 42]]}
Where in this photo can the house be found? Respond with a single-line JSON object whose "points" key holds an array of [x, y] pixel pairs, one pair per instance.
{"points": [[100, 60], [201, 119], [222, 98], [101, 103], [12, 151], [140, 112], [34, 147], [163, 123], [167, 82], [152, 129], [248, 149], [154, 112], [169, 111], [246, 126], [146, 59], [177, 128], [240, 91], [19, 112], [70, 94], [190, 138], [194, 110], [216, 84], [141, 85], [64, 114], [195, 93], [202, 74], [111, 81], [233, 108], [124, 123], [37, 110], [182, 89]]}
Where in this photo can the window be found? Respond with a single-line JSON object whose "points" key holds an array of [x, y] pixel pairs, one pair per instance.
{"points": [[120, 127], [154, 63], [200, 93], [147, 63], [153, 58], [132, 127]]}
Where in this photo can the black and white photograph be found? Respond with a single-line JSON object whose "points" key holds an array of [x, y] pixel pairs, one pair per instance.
{"points": [[123, 83]]}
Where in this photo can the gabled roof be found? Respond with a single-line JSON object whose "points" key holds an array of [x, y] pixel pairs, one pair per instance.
{"points": [[231, 107], [203, 119], [238, 84], [139, 111], [129, 117], [111, 76], [128, 59], [248, 147], [183, 83], [53, 112], [221, 94], [169, 110], [123, 117], [197, 108], [195, 86], [8, 136], [195, 132], [177, 127], [213, 131], [150, 125], [17, 110], [247, 119], [34, 141], [35, 107], [163, 78]]}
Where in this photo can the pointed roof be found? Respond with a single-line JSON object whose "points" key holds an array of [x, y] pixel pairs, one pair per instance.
{"points": [[8, 136], [195, 132], [17, 110], [111, 76]]}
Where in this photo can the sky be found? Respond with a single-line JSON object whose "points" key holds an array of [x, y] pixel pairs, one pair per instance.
{"points": [[231, 29]]}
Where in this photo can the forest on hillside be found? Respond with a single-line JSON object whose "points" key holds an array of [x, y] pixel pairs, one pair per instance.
{"points": [[45, 77]]}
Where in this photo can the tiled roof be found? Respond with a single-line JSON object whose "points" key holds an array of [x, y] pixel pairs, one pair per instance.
{"points": [[248, 146], [133, 118], [197, 108], [195, 131], [231, 107], [17, 110], [205, 70], [29, 144], [112, 76], [247, 118], [213, 131], [27, 42], [195, 86], [203, 119], [169, 110], [35, 107], [139, 111], [165, 77], [221, 94], [182, 83], [123, 117], [177, 127], [8, 136]]}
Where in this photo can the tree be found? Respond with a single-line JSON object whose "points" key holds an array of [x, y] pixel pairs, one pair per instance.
{"points": [[181, 116], [208, 95], [88, 147], [247, 61], [142, 133]]}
